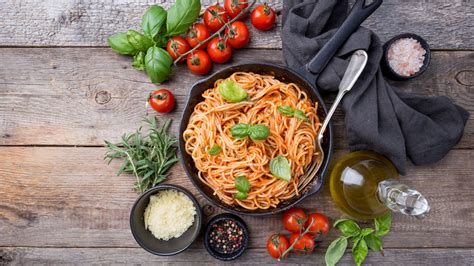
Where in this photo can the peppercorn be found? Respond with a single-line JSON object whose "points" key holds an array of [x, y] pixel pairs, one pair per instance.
{"points": [[226, 237]]}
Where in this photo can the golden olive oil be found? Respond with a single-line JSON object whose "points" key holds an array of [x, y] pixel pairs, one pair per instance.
{"points": [[354, 182]]}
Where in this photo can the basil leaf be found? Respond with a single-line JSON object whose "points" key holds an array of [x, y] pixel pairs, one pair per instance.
{"points": [[232, 92], [347, 227], [215, 150], [181, 15], [139, 61], [240, 195], [301, 115], [360, 251], [119, 43], [259, 132], [240, 131], [374, 242], [152, 21], [158, 64], [286, 110], [383, 224], [366, 231], [280, 168], [335, 251], [138, 40], [242, 184]]}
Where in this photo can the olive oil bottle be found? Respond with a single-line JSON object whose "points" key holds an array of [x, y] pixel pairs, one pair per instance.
{"points": [[366, 185]]}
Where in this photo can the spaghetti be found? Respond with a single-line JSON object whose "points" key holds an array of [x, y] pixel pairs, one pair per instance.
{"points": [[290, 137]]}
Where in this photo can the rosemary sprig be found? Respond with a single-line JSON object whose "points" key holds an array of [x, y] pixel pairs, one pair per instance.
{"points": [[148, 157]]}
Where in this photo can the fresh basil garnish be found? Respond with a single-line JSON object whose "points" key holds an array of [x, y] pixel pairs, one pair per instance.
{"points": [[240, 195], [240, 131], [359, 251], [138, 40], [280, 168], [158, 64], [259, 132], [139, 61], [335, 251], [383, 224], [300, 115], [347, 227], [232, 92], [181, 15], [374, 242], [242, 184], [119, 43], [291, 112], [215, 150], [153, 20]]}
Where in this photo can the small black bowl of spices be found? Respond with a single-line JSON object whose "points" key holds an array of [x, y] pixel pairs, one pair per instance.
{"points": [[226, 237], [405, 56]]}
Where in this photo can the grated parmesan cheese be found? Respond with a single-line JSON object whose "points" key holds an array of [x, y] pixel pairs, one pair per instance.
{"points": [[169, 214]]}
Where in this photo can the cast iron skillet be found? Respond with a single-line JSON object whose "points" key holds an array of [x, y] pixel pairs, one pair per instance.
{"points": [[305, 79]]}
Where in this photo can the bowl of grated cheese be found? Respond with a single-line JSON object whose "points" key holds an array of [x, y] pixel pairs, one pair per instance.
{"points": [[165, 220]]}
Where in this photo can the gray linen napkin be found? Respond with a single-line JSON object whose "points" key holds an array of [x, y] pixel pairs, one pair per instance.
{"points": [[378, 117]]}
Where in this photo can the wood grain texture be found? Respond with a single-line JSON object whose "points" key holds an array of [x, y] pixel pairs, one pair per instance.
{"points": [[69, 197], [136, 256], [81, 96], [445, 25]]}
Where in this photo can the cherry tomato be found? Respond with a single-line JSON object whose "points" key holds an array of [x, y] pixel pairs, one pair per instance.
{"points": [[215, 17], [238, 34], [235, 7], [196, 34], [263, 17], [276, 245], [219, 50], [199, 62], [305, 245], [177, 46], [294, 219], [320, 224], [161, 100]]}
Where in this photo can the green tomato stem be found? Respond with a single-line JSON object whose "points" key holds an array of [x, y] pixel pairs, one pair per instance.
{"points": [[296, 241]]}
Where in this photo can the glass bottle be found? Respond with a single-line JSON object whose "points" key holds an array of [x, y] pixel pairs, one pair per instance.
{"points": [[365, 185]]}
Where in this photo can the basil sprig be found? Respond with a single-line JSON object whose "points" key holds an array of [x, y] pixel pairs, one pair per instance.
{"points": [[215, 150], [231, 91], [362, 239], [280, 168], [255, 132], [243, 187], [291, 112], [158, 25]]}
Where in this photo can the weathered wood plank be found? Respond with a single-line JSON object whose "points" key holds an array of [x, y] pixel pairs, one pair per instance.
{"points": [[81, 96], [136, 256], [89, 23], [69, 197]]}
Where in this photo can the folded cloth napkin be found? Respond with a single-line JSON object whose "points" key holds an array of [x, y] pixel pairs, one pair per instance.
{"points": [[378, 117]]}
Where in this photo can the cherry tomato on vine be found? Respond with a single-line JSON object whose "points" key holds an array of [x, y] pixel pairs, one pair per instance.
{"points": [[305, 244], [294, 219], [238, 34], [219, 50], [161, 100], [276, 245], [215, 17], [263, 17], [235, 7], [177, 46], [320, 224], [196, 34], [199, 62]]}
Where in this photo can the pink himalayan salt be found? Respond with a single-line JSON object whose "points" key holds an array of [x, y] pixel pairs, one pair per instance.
{"points": [[406, 56]]}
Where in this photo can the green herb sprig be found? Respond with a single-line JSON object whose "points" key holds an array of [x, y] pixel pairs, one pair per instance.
{"points": [[291, 112], [149, 157], [362, 239]]}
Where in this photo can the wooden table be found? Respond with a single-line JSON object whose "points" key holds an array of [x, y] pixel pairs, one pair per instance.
{"points": [[62, 92]]}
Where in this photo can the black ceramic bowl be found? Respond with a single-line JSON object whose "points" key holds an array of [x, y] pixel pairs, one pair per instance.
{"points": [[219, 218], [283, 74], [389, 72], [144, 237]]}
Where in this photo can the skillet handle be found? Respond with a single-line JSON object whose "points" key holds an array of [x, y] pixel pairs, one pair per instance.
{"points": [[357, 15]]}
